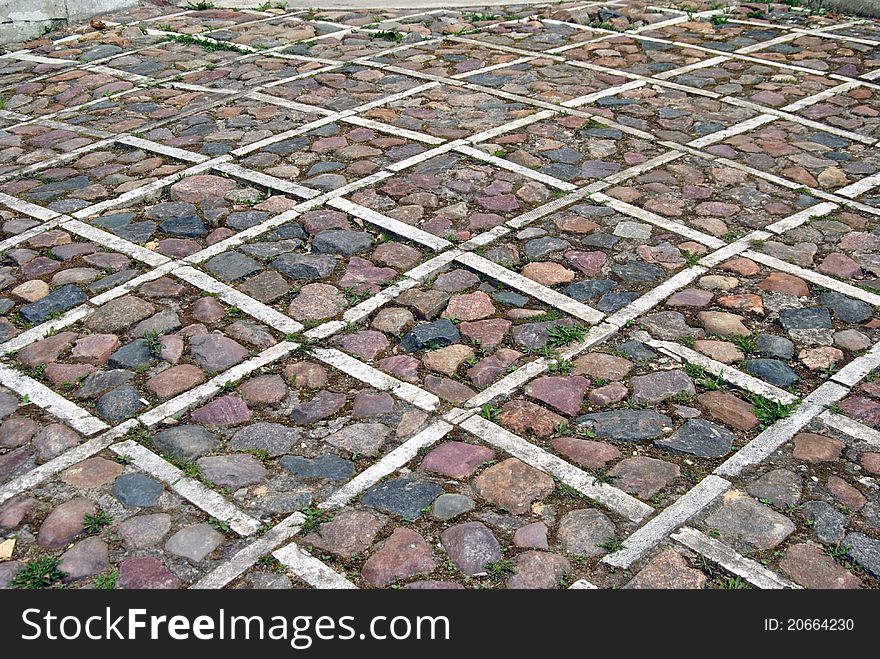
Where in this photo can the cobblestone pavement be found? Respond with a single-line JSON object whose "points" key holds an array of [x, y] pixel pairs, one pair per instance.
{"points": [[580, 295]]}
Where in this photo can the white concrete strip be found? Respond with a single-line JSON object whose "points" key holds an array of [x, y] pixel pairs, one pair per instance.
{"points": [[484, 238], [428, 268], [27, 208], [717, 552], [680, 511], [670, 225], [532, 288], [595, 96], [550, 207], [742, 127], [115, 243], [249, 305], [492, 133], [390, 224], [155, 147], [796, 220], [191, 397], [721, 255], [310, 569], [392, 130], [57, 405], [244, 558], [854, 372], [704, 64], [646, 166], [793, 118], [131, 284], [765, 444], [387, 465], [376, 378], [519, 169], [824, 95], [280, 137], [617, 500], [77, 454], [419, 158], [270, 182], [851, 427], [728, 373], [815, 277], [653, 297], [190, 489], [859, 187]]}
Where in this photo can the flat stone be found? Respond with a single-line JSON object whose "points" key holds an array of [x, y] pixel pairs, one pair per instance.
{"points": [[186, 442], [773, 371], [690, 297], [59, 300], [137, 490], [486, 333], [862, 409], [513, 485], [393, 320], [585, 452], [120, 314], [728, 409], [263, 390], [565, 394], [602, 365], [340, 241], [865, 551], [742, 519], [669, 326], [722, 323], [208, 310], [721, 351], [317, 302], [64, 523], [669, 569], [230, 266], [195, 542], [306, 375], [806, 318], [848, 495], [470, 307], [405, 497], [852, 340], [327, 465], [91, 473], [232, 471], [531, 536], [456, 459], [360, 438], [778, 347], [548, 273], [470, 546], [521, 416], [814, 448], [538, 569], [175, 380], [447, 360], [143, 531], [626, 425], [644, 476], [846, 309], [449, 506], [657, 387], [536, 335], [781, 487], [430, 335], [227, 410], [780, 282], [609, 394], [86, 558], [348, 533], [404, 554], [699, 437], [133, 355], [582, 532], [322, 405], [368, 404], [809, 566], [829, 524], [146, 573], [214, 353]]}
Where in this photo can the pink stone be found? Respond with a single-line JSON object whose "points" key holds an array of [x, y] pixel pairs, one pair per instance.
{"points": [[175, 380], [469, 307], [225, 411], [566, 394], [456, 459]]}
